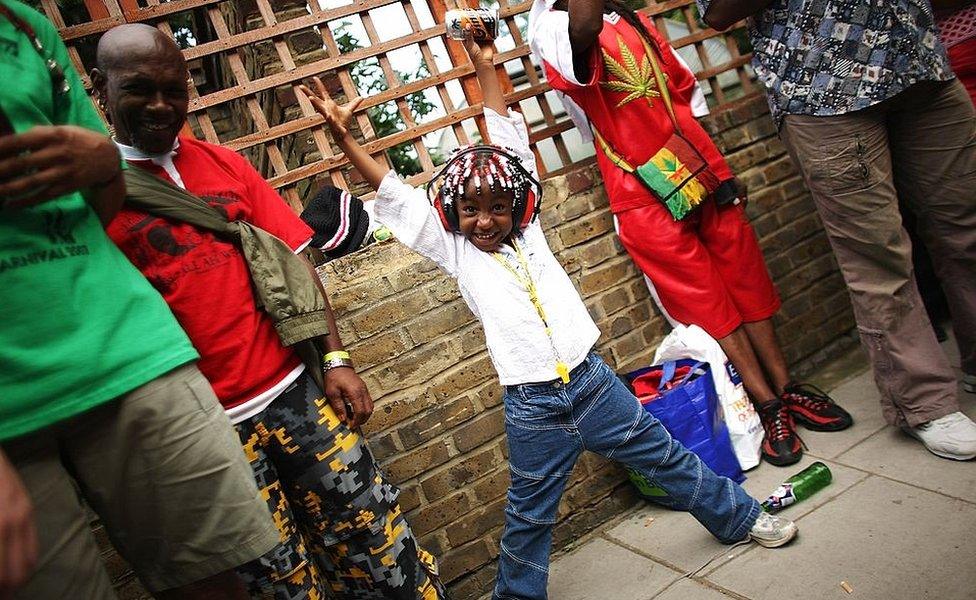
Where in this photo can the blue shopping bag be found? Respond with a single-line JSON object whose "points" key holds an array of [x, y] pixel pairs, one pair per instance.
{"points": [[681, 394]]}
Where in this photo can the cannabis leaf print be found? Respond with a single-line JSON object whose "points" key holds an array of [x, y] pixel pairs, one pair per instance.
{"points": [[637, 81]]}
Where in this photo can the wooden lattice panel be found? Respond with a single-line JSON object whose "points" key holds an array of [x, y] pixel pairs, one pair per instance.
{"points": [[247, 58]]}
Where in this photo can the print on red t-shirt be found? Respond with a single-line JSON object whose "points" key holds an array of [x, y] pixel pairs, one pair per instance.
{"points": [[205, 280]]}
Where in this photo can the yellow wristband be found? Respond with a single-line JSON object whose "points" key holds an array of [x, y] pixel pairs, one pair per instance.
{"points": [[335, 354]]}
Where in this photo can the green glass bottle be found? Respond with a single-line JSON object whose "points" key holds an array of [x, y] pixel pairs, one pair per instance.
{"points": [[799, 487]]}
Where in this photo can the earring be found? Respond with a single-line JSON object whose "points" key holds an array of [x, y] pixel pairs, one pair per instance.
{"points": [[100, 101]]}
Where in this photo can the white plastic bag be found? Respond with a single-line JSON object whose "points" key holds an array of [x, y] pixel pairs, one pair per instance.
{"points": [[745, 429]]}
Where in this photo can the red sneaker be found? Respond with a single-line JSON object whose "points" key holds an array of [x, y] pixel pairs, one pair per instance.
{"points": [[814, 409], [781, 446]]}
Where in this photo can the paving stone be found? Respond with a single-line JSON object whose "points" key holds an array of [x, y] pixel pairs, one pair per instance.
{"points": [[893, 453], [600, 569], [860, 397], [677, 539], [886, 539], [687, 589]]}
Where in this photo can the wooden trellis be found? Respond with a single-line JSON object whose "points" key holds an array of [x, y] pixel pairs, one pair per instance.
{"points": [[247, 58]]}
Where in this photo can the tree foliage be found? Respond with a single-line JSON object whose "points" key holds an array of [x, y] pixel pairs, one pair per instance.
{"points": [[386, 120]]}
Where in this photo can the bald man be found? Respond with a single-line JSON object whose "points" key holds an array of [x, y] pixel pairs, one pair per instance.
{"points": [[341, 527], [99, 395]]}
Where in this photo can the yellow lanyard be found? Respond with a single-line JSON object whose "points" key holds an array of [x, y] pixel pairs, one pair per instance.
{"points": [[525, 279]]}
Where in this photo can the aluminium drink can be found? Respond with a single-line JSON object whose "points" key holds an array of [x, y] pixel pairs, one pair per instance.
{"points": [[479, 23]]}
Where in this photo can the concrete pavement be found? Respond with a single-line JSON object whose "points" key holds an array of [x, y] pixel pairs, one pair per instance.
{"points": [[897, 522]]}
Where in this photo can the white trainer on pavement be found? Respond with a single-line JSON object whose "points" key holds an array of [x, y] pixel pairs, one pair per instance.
{"points": [[952, 436], [772, 531], [969, 383]]}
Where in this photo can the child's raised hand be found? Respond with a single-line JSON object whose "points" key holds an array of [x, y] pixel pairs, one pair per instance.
{"points": [[480, 51], [336, 117]]}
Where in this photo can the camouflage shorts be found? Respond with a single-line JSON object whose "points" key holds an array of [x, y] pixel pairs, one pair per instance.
{"points": [[342, 533]]}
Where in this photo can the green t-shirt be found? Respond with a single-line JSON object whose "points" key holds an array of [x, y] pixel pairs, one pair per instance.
{"points": [[79, 325]]}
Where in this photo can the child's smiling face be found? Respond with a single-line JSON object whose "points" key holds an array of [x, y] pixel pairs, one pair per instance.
{"points": [[485, 217]]}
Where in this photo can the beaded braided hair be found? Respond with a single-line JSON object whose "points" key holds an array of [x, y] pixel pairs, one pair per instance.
{"points": [[485, 166]]}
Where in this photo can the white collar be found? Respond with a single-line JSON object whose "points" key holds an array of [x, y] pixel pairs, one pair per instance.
{"points": [[133, 153], [164, 159]]}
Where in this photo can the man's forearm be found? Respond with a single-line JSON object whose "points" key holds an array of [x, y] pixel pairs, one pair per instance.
{"points": [[107, 200], [585, 23], [331, 342], [344, 390], [722, 14]]}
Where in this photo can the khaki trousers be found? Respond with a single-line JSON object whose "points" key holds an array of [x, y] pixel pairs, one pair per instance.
{"points": [[919, 146], [163, 469]]}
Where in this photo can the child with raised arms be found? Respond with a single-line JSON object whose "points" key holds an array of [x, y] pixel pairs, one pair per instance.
{"points": [[560, 397]]}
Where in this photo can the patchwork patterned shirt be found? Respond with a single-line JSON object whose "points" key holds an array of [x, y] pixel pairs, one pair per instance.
{"points": [[827, 57]]}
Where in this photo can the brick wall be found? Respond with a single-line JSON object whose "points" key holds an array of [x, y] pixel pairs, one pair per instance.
{"points": [[438, 425]]}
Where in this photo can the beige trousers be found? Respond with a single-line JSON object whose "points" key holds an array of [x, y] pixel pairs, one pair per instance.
{"points": [[163, 469], [920, 147]]}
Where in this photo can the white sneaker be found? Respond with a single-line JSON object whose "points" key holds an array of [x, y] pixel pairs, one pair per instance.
{"points": [[952, 436], [772, 531], [969, 383]]}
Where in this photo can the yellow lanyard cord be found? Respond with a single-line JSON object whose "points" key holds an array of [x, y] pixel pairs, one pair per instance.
{"points": [[525, 279]]}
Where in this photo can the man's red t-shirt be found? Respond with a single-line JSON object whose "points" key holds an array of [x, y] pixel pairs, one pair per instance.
{"points": [[204, 279]]}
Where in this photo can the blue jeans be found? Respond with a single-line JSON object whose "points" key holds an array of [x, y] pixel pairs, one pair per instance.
{"points": [[550, 424]]}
